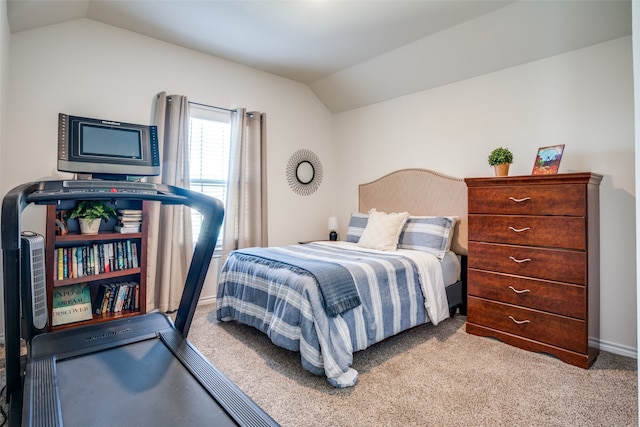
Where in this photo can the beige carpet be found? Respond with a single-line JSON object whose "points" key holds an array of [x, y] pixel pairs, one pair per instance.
{"points": [[428, 376]]}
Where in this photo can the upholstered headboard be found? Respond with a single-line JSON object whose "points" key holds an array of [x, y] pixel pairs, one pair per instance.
{"points": [[420, 192]]}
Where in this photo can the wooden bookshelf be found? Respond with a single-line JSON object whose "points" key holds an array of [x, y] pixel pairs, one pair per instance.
{"points": [[73, 239]]}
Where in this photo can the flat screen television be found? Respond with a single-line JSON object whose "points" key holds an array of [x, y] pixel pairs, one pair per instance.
{"points": [[106, 148]]}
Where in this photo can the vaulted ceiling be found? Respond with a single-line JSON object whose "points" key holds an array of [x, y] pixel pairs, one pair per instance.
{"points": [[353, 53]]}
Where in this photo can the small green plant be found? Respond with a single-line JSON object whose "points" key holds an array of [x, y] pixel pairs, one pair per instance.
{"points": [[92, 209], [499, 156]]}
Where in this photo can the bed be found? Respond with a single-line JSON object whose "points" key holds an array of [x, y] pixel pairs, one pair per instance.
{"points": [[402, 263]]}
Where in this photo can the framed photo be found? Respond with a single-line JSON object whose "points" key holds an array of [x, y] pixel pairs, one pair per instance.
{"points": [[548, 160]]}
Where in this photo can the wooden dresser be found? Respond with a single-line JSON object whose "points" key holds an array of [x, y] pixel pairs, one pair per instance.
{"points": [[534, 263]]}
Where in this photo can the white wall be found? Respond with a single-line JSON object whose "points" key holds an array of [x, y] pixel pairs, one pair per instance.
{"points": [[636, 77], [583, 99], [4, 84], [90, 69]]}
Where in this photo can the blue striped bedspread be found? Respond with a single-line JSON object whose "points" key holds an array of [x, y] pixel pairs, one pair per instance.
{"points": [[398, 290], [335, 282]]}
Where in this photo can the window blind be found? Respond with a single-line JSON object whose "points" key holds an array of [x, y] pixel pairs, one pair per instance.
{"points": [[209, 144]]}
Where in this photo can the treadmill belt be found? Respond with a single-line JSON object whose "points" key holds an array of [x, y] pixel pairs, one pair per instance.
{"points": [[139, 384]]}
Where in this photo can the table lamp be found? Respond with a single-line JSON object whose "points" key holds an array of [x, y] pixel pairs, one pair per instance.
{"points": [[333, 226]]}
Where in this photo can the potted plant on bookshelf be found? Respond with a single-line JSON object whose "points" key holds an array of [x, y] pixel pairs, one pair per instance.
{"points": [[90, 214], [500, 159]]}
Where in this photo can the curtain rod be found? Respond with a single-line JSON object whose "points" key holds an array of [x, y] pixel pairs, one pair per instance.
{"points": [[211, 106]]}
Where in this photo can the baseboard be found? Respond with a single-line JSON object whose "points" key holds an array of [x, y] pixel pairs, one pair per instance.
{"points": [[207, 300], [621, 350]]}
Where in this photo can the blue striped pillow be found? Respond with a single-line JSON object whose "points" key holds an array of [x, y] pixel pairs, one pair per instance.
{"points": [[357, 224], [427, 234]]}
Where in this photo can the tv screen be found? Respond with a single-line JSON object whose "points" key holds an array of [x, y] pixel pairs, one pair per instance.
{"points": [[106, 148], [110, 142]]}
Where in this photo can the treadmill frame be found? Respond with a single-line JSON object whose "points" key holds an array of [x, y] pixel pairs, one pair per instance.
{"points": [[31, 382]]}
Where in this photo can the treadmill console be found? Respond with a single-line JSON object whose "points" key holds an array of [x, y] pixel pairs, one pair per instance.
{"points": [[61, 190]]}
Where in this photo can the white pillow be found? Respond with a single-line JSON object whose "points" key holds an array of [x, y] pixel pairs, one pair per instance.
{"points": [[382, 230]]}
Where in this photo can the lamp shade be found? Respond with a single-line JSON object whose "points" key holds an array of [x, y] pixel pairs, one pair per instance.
{"points": [[333, 223]]}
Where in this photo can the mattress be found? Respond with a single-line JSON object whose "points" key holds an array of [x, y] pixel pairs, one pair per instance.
{"points": [[451, 268]]}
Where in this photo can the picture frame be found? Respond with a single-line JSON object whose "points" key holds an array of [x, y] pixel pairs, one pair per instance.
{"points": [[548, 160]]}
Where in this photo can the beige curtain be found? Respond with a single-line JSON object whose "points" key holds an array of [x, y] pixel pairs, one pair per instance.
{"points": [[170, 244], [245, 222]]}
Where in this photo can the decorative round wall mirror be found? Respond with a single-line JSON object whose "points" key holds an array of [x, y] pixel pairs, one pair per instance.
{"points": [[304, 172]]}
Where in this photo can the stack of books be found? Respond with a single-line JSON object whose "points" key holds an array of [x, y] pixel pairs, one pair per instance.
{"points": [[116, 297], [129, 221]]}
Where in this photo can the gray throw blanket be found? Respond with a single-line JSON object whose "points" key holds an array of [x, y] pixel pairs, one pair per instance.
{"points": [[335, 281]]}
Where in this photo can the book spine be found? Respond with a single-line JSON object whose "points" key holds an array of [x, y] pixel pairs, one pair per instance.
{"points": [[60, 263], [90, 261], [120, 256], [122, 297], [105, 257], [74, 263], [69, 263], [78, 256], [134, 254], [98, 300], [111, 257], [85, 261], [65, 264], [129, 254], [131, 290], [113, 289], [101, 258], [107, 297], [96, 259]]}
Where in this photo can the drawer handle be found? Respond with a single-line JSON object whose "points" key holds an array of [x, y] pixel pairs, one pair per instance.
{"points": [[519, 322], [520, 261], [523, 291], [524, 199], [519, 230]]}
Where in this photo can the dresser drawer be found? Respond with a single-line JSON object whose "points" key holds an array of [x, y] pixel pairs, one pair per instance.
{"points": [[564, 199], [541, 263], [554, 297], [549, 231], [552, 329]]}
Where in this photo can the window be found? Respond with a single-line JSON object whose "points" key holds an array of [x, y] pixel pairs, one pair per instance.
{"points": [[209, 142]]}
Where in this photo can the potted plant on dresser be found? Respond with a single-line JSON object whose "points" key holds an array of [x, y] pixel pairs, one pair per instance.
{"points": [[90, 214], [500, 159]]}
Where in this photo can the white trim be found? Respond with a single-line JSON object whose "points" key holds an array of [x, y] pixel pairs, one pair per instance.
{"points": [[619, 349], [207, 300]]}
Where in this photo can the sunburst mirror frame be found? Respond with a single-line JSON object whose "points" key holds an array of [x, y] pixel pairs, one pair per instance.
{"points": [[304, 172]]}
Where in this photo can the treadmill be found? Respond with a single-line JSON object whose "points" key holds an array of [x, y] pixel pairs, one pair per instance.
{"points": [[135, 371]]}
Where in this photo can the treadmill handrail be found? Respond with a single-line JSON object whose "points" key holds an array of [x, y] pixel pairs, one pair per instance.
{"points": [[17, 199]]}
